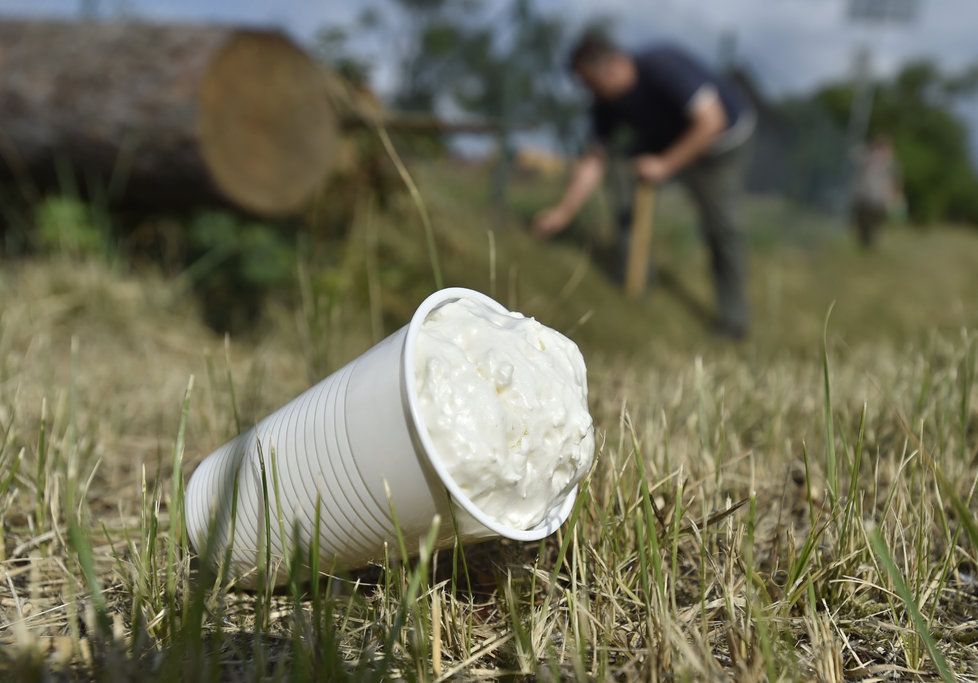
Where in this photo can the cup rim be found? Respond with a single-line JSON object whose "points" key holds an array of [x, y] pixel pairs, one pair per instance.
{"points": [[557, 516]]}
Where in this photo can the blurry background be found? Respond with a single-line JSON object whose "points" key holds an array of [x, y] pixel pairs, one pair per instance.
{"points": [[252, 153]]}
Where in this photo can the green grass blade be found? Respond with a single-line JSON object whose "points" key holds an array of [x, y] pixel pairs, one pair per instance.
{"points": [[832, 472], [177, 546], [83, 551], [418, 200], [916, 618]]}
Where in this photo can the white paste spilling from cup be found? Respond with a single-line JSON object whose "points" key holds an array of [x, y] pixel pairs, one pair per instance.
{"points": [[504, 400]]}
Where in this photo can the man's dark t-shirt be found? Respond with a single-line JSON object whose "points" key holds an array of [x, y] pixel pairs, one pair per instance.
{"points": [[653, 114]]}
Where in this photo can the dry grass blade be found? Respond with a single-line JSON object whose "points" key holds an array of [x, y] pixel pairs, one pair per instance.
{"points": [[714, 518]]}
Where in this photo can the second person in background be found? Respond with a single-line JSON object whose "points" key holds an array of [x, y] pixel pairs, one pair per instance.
{"points": [[877, 191]]}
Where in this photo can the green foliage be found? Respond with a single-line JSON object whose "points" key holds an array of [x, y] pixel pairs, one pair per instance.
{"points": [[931, 140], [504, 62], [332, 44], [237, 263], [433, 31], [258, 252], [69, 225], [515, 81]]}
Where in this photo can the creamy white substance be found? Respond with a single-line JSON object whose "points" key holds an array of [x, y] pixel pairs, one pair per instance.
{"points": [[504, 399]]}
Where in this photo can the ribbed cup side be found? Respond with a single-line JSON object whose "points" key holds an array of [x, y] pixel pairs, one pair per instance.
{"points": [[311, 456], [348, 444]]}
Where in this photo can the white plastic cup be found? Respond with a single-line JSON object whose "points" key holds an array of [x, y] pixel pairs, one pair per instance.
{"points": [[346, 442]]}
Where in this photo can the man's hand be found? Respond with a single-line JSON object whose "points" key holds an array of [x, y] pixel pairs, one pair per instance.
{"points": [[550, 221], [707, 119], [585, 177], [652, 168]]}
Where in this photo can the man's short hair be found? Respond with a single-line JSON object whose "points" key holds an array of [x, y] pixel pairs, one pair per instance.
{"points": [[590, 49]]}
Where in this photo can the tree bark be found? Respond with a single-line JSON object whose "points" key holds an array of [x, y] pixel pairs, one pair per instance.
{"points": [[163, 116]]}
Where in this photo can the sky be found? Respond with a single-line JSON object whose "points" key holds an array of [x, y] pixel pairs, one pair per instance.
{"points": [[790, 45]]}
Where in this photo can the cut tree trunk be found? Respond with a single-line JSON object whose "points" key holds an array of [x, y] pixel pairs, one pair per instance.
{"points": [[163, 116]]}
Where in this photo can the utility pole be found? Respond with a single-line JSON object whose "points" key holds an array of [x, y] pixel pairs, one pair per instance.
{"points": [[727, 58], [878, 15], [504, 140], [88, 9], [863, 92]]}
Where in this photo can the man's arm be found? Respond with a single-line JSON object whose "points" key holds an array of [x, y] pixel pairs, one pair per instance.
{"points": [[585, 178], [708, 120]]}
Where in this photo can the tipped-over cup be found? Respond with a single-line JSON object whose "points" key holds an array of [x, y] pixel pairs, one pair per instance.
{"points": [[355, 446]]}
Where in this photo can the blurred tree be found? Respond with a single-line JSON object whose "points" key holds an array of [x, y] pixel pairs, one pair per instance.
{"points": [[499, 61], [916, 110], [514, 76], [332, 45], [431, 36], [235, 264]]}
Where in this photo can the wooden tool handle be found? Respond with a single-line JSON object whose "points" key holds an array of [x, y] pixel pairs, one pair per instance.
{"points": [[640, 245]]}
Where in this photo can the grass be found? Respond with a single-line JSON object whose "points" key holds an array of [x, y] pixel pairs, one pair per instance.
{"points": [[798, 507]]}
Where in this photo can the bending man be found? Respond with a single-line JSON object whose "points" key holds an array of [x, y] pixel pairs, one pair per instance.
{"points": [[675, 118]]}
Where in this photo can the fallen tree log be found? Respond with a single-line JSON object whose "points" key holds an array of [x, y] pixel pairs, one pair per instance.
{"points": [[164, 116]]}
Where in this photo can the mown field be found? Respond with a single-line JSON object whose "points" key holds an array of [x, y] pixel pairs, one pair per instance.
{"points": [[796, 507]]}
